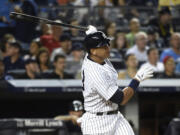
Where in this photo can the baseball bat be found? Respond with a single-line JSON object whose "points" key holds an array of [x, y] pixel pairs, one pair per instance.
{"points": [[35, 19]]}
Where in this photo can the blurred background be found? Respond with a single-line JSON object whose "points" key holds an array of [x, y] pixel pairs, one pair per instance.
{"points": [[40, 64]]}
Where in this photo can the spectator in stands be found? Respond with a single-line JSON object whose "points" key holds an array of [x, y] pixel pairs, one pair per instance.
{"points": [[59, 67], [153, 40], [25, 31], [174, 51], [5, 44], [1, 54], [46, 29], [8, 37], [77, 52], [140, 48], [85, 2], [72, 12], [62, 2], [34, 48], [163, 24], [134, 29], [131, 67], [172, 3], [110, 29], [2, 68], [108, 13], [82, 13], [169, 65], [133, 11], [51, 41], [120, 43], [5, 23], [142, 2], [32, 70], [153, 60], [117, 46], [73, 33], [73, 64], [65, 48], [178, 67], [43, 59], [13, 60]]}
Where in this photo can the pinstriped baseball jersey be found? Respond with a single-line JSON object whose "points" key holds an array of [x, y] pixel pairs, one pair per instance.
{"points": [[99, 84]]}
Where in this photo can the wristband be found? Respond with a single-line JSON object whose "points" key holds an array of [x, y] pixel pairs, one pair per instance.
{"points": [[134, 84]]}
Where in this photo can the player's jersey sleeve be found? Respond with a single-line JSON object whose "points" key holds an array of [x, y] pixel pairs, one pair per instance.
{"points": [[104, 83]]}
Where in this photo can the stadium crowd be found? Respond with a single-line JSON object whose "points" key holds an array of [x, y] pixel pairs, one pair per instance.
{"points": [[41, 51]]}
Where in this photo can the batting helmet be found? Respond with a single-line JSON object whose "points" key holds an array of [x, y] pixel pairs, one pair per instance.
{"points": [[95, 40], [76, 105]]}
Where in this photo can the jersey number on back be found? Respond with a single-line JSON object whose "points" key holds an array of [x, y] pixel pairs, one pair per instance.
{"points": [[83, 78]]}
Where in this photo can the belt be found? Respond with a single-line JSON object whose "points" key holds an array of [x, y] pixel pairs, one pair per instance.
{"points": [[106, 113]]}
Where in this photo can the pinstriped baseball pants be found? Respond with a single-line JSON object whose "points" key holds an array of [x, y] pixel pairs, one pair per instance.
{"points": [[105, 125]]}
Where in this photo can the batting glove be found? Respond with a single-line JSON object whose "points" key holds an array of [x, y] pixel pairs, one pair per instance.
{"points": [[144, 73], [91, 30]]}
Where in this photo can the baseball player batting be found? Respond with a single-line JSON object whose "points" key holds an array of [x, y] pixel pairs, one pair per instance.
{"points": [[100, 90], [99, 79]]}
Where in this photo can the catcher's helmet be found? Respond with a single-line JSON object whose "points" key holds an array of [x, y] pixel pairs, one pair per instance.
{"points": [[76, 105], [95, 40]]}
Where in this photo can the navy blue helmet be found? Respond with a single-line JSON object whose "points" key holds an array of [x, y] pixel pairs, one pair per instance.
{"points": [[96, 40]]}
